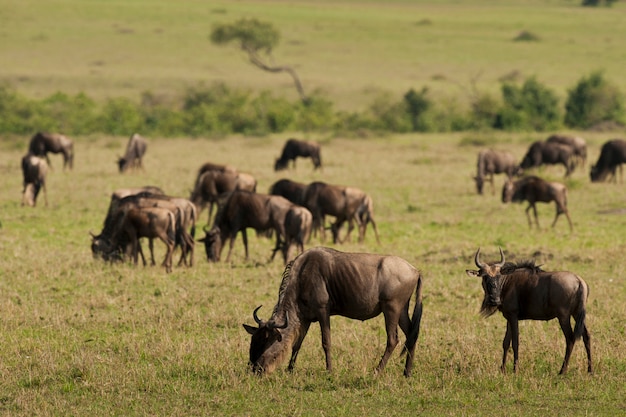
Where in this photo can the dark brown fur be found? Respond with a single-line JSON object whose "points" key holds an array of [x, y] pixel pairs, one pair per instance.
{"points": [[43, 143], [135, 150], [534, 189], [34, 172], [612, 156], [526, 292], [323, 282], [492, 162], [295, 148], [542, 153]]}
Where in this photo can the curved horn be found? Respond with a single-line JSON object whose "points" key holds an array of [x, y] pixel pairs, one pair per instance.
{"points": [[477, 259], [501, 263], [284, 325], [92, 235], [256, 318]]}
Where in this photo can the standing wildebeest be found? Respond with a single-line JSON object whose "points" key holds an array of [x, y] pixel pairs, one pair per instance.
{"points": [[294, 148], [612, 156], [578, 145], [34, 171], [492, 162], [211, 184], [534, 189], [540, 153], [44, 142], [135, 150], [524, 291], [240, 210], [291, 190], [298, 223], [344, 203], [323, 282]]}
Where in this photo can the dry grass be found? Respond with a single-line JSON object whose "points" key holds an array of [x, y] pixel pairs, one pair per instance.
{"points": [[79, 336]]}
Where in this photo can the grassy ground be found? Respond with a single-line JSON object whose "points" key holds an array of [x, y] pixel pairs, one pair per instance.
{"points": [[79, 336], [351, 50]]}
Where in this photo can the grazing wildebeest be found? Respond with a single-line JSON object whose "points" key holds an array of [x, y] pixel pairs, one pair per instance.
{"points": [[34, 171], [323, 282], [344, 203], [43, 143], [492, 162], [135, 150], [540, 153], [578, 145], [523, 291], [534, 189], [240, 210], [211, 184], [150, 222], [612, 156], [294, 148], [291, 190], [184, 215]]}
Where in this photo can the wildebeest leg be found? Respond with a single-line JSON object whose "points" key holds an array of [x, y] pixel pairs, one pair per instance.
{"points": [[534, 207], [506, 344], [566, 327], [563, 210], [304, 328], [151, 246], [391, 325], [493, 186], [325, 327], [587, 341], [515, 341], [405, 325]]}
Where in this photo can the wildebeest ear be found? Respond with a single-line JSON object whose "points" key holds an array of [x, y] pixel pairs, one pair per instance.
{"points": [[250, 329], [472, 273]]}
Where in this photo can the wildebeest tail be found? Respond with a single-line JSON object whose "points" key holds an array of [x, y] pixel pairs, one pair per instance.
{"points": [[416, 319], [582, 294]]}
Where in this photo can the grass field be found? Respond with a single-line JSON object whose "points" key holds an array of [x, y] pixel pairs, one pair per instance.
{"points": [[83, 337], [351, 50], [79, 336]]}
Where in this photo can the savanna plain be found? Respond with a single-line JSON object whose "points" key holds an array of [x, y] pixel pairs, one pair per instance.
{"points": [[79, 336]]}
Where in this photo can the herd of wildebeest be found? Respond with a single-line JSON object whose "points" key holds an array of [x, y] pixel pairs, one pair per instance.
{"points": [[321, 282]]}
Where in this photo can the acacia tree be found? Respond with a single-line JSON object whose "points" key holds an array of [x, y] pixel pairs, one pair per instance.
{"points": [[257, 39]]}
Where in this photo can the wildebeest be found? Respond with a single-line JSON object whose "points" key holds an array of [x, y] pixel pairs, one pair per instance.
{"points": [[34, 171], [110, 247], [298, 223], [344, 203], [578, 145], [534, 189], [43, 143], [492, 162], [612, 156], [242, 210], [149, 222], [298, 148], [523, 291], [291, 190], [211, 184], [323, 282], [541, 153], [135, 150]]}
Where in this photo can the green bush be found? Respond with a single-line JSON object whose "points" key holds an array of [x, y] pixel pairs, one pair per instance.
{"points": [[529, 107], [592, 101]]}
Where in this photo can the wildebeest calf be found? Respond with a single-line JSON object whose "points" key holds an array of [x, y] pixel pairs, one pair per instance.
{"points": [[534, 189], [524, 291]]}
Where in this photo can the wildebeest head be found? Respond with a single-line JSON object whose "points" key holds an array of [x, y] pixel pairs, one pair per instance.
{"points": [[280, 164], [266, 344], [492, 285], [122, 164], [508, 191], [212, 243]]}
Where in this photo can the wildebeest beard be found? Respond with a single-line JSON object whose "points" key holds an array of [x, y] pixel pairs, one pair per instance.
{"points": [[492, 301]]}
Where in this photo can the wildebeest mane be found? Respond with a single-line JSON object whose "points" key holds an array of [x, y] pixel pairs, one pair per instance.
{"points": [[286, 279], [528, 265]]}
